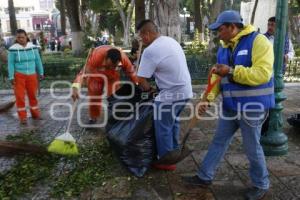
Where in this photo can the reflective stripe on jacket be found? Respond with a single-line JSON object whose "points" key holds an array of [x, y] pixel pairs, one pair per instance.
{"points": [[237, 96]]}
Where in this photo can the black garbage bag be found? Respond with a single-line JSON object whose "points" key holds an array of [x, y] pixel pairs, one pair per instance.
{"points": [[132, 139], [294, 120]]}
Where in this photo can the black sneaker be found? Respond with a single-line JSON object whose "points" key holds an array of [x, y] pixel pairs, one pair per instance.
{"points": [[255, 193], [196, 181]]}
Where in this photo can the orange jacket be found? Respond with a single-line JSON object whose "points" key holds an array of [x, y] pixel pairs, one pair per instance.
{"points": [[95, 66]]}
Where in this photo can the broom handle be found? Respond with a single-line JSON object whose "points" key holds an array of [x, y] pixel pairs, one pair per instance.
{"points": [[194, 120], [74, 106], [72, 114]]}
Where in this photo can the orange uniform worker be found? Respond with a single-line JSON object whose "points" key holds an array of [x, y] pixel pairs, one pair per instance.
{"points": [[24, 63], [104, 61]]}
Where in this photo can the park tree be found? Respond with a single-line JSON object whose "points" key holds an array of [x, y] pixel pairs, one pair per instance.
{"points": [[294, 23], [254, 11], [12, 17], [125, 10], [165, 14], [72, 7], [60, 5], [139, 11]]}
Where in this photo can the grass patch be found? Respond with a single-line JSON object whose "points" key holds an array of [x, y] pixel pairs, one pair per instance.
{"points": [[66, 177], [91, 168]]}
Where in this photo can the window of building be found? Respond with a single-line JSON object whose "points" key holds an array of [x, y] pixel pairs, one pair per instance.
{"points": [[38, 27], [28, 23]]}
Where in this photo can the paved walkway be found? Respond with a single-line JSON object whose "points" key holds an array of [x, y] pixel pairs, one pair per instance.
{"points": [[229, 184]]}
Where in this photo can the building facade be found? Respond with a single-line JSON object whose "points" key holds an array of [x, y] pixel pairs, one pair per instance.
{"points": [[32, 16]]}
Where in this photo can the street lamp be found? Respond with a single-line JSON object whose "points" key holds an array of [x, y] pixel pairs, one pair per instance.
{"points": [[275, 142]]}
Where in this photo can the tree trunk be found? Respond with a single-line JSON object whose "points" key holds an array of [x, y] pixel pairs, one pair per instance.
{"points": [[253, 12], [293, 25], [215, 8], [139, 11], [73, 15], [12, 17], [63, 17], [3, 53], [126, 20], [166, 17], [198, 19]]}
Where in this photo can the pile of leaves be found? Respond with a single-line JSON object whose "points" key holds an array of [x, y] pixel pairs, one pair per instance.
{"points": [[64, 176]]}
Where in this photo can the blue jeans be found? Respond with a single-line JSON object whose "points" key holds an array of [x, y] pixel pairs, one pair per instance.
{"points": [[250, 129], [167, 125]]}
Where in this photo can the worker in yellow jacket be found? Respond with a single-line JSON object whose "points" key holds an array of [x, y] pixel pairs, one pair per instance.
{"points": [[245, 63]]}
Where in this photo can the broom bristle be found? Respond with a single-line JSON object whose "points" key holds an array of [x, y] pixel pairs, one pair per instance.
{"points": [[63, 147], [7, 106]]}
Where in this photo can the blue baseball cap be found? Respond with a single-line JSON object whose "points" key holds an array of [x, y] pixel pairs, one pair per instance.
{"points": [[228, 16]]}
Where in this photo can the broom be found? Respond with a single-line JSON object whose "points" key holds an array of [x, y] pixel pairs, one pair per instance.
{"points": [[65, 144], [7, 106]]}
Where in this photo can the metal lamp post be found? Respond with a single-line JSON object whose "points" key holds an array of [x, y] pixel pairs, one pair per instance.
{"points": [[274, 142]]}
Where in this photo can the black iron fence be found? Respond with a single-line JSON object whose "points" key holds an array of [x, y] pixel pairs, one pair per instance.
{"points": [[292, 72]]}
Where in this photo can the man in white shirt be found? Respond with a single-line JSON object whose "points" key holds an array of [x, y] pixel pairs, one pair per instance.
{"points": [[164, 59]]}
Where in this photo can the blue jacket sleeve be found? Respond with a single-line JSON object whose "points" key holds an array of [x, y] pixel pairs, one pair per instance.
{"points": [[38, 63], [11, 65]]}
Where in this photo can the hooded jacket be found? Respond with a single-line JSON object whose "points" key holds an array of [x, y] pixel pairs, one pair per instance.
{"points": [[25, 60]]}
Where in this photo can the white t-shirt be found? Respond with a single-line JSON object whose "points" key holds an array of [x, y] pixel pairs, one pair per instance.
{"points": [[165, 60]]}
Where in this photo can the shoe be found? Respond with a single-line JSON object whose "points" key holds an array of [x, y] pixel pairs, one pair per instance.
{"points": [[175, 156], [37, 118], [23, 121], [255, 193], [164, 167], [196, 181]]}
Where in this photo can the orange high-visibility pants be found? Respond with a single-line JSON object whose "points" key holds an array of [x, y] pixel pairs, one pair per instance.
{"points": [[26, 84], [95, 91]]}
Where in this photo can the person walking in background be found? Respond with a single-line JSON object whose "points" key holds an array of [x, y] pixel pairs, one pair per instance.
{"points": [[288, 55], [24, 67], [289, 52], [245, 63]]}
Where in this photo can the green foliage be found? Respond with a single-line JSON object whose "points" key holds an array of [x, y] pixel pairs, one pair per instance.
{"points": [[196, 47], [297, 52], [42, 41], [101, 5], [294, 6], [67, 177], [188, 4], [87, 42], [56, 66], [22, 177], [90, 168]]}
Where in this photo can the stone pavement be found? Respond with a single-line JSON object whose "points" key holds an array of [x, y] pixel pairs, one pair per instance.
{"points": [[230, 181]]}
